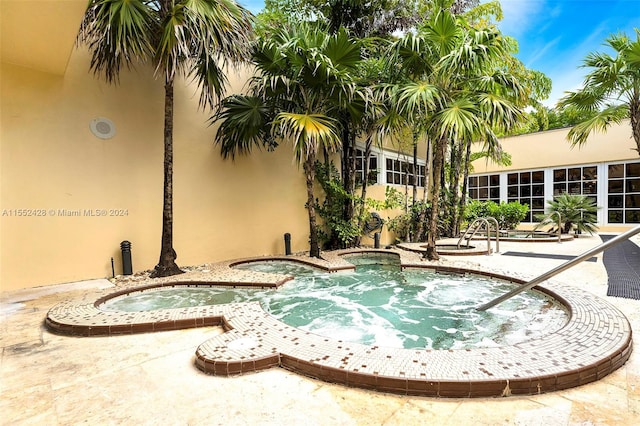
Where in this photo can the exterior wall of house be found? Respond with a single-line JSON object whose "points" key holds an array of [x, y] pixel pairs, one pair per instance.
{"points": [[551, 148], [68, 198], [606, 168]]}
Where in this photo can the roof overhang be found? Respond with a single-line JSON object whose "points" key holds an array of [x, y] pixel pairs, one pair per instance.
{"points": [[39, 34]]}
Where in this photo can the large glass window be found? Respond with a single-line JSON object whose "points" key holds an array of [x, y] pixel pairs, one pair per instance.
{"points": [[373, 168], [623, 195], [484, 188], [527, 188], [576, 180], [399, 172]]}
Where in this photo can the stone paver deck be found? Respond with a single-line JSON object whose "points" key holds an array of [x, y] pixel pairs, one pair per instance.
{"points": [[595, 341]]}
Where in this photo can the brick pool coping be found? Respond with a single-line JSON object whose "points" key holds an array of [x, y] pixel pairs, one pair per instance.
{"points": [[596, 340]]}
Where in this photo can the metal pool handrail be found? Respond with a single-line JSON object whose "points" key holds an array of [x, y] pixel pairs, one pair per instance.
{"points": [[549, 216], [559, 225], [473, 229], [494, 220], [555, 271]]}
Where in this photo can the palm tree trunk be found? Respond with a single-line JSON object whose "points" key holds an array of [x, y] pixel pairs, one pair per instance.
{"points": [[363, 193], [438, 162], [454, 206], [310, 175], [634, 115], [348, 171], [465, 179], [166, 265], [415, 169], [423, 212]]}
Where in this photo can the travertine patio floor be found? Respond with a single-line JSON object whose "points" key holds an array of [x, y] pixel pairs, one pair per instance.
{"points": [[35, 361]]}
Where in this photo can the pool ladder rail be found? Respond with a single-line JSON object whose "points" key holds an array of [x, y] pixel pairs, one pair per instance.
{"points": [[558, 223], [477, 225], [561, 268]]}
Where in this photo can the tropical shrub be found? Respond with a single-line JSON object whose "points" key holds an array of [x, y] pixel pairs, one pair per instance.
{"points": [[406, 225], [509, 215], [336, 232], [576, 211]]}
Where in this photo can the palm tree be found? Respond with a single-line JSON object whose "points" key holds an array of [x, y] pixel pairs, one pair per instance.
{"points": [[304, 79], [196, 38], [460, 93], [575, 210], [611, 90]]}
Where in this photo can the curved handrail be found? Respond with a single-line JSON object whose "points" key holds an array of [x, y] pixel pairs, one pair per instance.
{"points": [[549, 216], [494, 220], [474, 228], [555, 271], [559, 224]]}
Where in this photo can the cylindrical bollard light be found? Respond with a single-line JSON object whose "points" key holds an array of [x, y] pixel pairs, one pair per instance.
{"points": [[127, 267], [287, 244], [376, 240]]}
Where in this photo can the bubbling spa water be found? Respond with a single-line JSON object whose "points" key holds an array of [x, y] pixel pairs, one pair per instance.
{"points": [[379, 304]]}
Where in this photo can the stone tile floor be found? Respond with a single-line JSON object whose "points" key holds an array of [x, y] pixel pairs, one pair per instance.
{"points": [[151, 378]]}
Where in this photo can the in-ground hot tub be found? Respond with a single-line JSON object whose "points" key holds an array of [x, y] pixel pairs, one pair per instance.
{"points": [[586, 349]]}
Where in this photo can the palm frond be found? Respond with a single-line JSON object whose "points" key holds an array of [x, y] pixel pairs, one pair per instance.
{"points": [[417, 98], [343, 51], [589, 98], [203, 30], [499, 112], [308, 132], [600, 122], [442, 31], [118, 32], [631, 54], [244, 124], [458, 120]]}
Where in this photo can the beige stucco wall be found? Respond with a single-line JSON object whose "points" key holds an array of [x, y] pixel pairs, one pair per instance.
{"points": [[50, 162], [551, 148]]}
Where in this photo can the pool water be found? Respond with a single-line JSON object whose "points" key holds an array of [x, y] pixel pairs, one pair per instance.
{"points": [[378, 304]]}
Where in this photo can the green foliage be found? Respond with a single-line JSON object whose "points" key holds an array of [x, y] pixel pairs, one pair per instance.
{"points": [[551, 118], [476, 209], [337, 232], [610, 89], [508, 215], [567, 117], [576, 211], [504, 159], [406, 224], [393, 199]]}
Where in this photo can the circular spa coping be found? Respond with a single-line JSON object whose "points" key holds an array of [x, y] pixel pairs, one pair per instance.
{"points": [[450, 249], [536, 237], [595, 341]]}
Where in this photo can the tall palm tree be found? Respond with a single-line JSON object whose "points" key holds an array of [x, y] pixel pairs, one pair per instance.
{"points": [[196, 38], [611, 89], [304, 78], [459, 92]]}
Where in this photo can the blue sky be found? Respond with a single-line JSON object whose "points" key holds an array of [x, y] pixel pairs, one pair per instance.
{"points": [[556, 35]]}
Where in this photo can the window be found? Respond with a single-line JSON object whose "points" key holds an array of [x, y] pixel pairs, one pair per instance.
{"points": [[373, 168], [576, 180], [484, 188], [623, 195], [399, 172], [527, 188]]}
